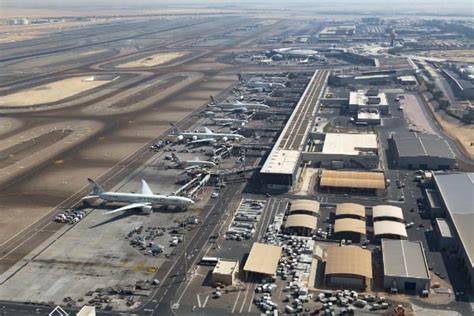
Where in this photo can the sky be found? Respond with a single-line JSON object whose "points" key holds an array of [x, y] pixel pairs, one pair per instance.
{"points": [[389, 6]]}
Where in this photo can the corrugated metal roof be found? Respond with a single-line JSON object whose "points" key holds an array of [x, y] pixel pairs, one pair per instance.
{"points": [[390, 227], [349, 225], [352, 179], [457, 192], [349, 260], [416, 145], [350, 209], [387, 211], [301, 220], [404, 258], [263, 259], [305, 205]]}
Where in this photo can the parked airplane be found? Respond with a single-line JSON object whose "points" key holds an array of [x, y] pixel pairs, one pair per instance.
{"points": [[144, 200], [206, 136], [192, 164]]}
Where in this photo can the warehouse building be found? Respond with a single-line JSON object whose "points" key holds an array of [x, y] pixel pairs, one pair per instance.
{"points": [[421, 151], [262, 260], [350, 210], [404, 266], [387, 212], [390, 230], [304, 207], [455, 190], [352, 182], [348, 267], [350, 229], [301, 224], [225, 272], [340, 150], [368, 100]]}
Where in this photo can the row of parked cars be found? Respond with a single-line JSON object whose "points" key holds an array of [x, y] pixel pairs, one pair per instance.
{"points": [[70, 216]]}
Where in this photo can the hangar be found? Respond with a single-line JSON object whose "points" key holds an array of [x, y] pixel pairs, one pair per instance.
{"points": [[372, 183], [390, 230], [308, 207], [301, 224], [349, 229], [263, 259], [404, 266], [387, 212], [348, 266], [350, 210], [421, 151]]}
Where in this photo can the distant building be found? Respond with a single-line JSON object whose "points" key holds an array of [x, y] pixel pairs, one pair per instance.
{"points": [[421, 151], [22, 21], [368, 100]]}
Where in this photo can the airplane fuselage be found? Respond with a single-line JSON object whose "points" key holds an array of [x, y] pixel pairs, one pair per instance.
{"points": [[153, 199], [211, 135]]}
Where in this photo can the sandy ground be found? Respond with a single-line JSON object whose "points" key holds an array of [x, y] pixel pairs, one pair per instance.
{"points": [[9, 124], [52, 92], [462, 55], [153, 60], [462, 133]]}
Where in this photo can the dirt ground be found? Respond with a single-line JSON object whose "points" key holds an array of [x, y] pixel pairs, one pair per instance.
{"points": [[462, 55], [153, 60], [52, 92]]}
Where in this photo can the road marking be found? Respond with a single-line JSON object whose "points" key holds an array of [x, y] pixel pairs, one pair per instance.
{"points": [[199, 300], [235, 304], [205, 301]]}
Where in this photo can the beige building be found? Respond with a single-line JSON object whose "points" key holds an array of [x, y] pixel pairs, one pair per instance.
{"points": [[348, 266], [263, 259], [225, 272]]}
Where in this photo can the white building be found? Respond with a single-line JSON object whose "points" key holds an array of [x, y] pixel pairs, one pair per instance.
{"points": [[368, 100]]}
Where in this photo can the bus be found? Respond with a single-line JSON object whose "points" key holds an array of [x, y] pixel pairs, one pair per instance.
{"points": [[209, 261]]}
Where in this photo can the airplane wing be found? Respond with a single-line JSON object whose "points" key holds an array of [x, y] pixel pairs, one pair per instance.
{"points": [[128, 207], [207, 130], [202, 141], [145, 188]]}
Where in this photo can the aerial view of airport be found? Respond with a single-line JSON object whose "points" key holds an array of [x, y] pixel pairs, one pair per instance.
{"points": [[236, 157]]}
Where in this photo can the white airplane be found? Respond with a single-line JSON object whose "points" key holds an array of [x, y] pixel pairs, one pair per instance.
{"points": [[229, 121], [206, 136], [144, 200], [192, 164]]}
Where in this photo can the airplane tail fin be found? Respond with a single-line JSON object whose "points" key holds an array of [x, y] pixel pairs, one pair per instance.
{"points": [[97, 189], [175, 158], [176, 130]]}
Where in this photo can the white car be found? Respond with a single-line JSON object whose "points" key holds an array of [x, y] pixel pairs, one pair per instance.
{"points": [[214, 195], [411, 224]]}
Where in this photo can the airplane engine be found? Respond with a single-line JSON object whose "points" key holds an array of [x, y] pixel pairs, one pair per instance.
{"points": [[180, 137], [225, 139], [148, 209], [195, 138]]}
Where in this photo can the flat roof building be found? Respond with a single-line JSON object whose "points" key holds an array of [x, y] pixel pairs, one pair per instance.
{"points": [[404, 266], [225, 272], [387, 212], [421, 151], [456, 190], [372, 117], [348, 266], [446, 236], [389, 229], [263, 259], [343, 150], [368, 100]]}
